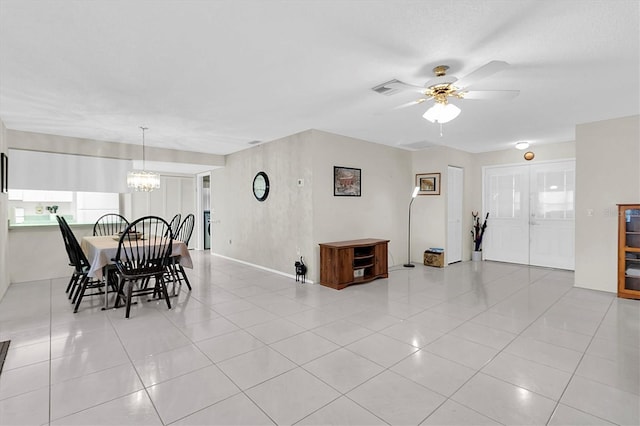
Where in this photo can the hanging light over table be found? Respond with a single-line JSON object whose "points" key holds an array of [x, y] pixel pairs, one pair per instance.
{"points": [[142, 180]]}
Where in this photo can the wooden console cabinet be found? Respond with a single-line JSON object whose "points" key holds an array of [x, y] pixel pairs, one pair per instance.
{"points": [[629, 251], [343, 263]]}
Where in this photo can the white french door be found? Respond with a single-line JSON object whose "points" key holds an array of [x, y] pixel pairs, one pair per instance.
{"points": [[531, 214], [454, 214]]}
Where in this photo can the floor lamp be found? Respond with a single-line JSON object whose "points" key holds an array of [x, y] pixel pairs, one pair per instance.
{"points": [[413, 197]]}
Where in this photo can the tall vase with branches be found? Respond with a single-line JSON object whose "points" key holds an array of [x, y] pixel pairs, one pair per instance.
{"points": [[478, 230]]}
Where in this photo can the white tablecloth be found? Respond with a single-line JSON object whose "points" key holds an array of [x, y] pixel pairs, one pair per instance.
{"points": [[100, 251]]}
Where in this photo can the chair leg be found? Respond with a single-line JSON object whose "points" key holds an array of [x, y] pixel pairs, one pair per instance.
{"points": [[182, 272], [72, 287], [160, 280], [119, 292], [80, 293], [129, 295], [71, 281]]}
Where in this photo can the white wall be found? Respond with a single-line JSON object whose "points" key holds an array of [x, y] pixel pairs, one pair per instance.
{"points": [[38, 252], [268, 233], [429, 216], [382, 209], [4, 217], [607, 173]]}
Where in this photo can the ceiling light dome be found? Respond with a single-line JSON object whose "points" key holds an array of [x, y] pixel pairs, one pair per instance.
{"points": [[522, 145], [442, 113]]}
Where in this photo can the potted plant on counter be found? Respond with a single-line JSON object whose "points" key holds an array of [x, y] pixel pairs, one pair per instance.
{"points": [[477, 233]]}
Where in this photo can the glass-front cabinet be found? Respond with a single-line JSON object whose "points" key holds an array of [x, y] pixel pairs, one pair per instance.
{"points": [[629, 251]]}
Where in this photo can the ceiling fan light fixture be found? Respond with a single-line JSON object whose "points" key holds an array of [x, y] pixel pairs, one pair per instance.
{"points": [[522, 145], [442, 113]]}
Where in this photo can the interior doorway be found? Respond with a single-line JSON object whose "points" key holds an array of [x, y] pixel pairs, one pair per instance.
{"points": [[531, 214], [203, 218], [455, 191]]}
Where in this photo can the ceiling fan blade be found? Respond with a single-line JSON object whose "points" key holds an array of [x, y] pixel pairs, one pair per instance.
{"points": [[483, 72], [491, 94], [399, 85], [412, 103]]}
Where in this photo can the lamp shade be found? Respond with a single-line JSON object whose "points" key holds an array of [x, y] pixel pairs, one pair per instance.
{"points": [[442, 113]]}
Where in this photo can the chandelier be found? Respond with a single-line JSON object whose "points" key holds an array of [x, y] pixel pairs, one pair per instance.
{"points": [[142, 180]]}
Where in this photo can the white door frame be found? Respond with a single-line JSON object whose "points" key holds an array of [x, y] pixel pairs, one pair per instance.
{"points": [[455, 205]]}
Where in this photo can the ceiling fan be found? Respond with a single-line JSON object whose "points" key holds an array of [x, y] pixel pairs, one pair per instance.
{"points": [[443, 87]]}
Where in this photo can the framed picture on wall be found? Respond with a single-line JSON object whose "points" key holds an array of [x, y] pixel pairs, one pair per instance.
{"points": [[346, 181], [4, 173], [429, 183]]}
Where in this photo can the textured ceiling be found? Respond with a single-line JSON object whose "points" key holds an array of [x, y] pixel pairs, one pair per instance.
{"points": [[211, 76]]}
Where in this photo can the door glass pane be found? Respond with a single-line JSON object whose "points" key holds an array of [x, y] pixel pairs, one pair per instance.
{"points": [[506, 197], [555, 194]]}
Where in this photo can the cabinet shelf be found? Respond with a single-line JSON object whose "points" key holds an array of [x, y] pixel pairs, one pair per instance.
{"points": [[628, 233], [340, 260]]}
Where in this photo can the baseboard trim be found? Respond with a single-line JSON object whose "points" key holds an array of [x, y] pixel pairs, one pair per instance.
{"points": [[284, 274]]}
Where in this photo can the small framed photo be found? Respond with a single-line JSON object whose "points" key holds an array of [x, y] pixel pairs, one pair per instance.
{"points": [[346, 181], [4, 173], [429, 183]]}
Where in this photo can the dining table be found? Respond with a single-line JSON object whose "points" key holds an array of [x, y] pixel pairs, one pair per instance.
{"points": [[101, 251]]}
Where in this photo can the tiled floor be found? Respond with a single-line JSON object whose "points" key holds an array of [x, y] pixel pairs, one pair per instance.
{"points": [[473, 343]]}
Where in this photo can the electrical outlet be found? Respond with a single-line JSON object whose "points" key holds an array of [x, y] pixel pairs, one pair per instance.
{"points": [[298, 251]]}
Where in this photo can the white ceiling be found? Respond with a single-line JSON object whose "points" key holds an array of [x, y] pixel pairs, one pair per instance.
{"points": [[211, 76]]}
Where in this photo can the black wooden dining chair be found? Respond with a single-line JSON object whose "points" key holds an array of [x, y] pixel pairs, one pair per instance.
{"points": [[110, 224], [143, 253], [176, 270], [80, 281], [175, 224]]}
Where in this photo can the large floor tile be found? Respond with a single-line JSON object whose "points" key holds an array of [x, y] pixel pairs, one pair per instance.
{"points": [[381, 349], [484, 335], [342, 411], [209, 328], [24, 379], [616, 374], [84, 392], [462, 351], [567, 416], [538, 378], [434, 372], [504, 402], [304, 347], [237, 410], [292, 396], [395, 399], [96, 358], [606, 402], [453, 414], [343, 369], [133, 409], [31, 408], [545, 353], [229, 345], [275, 330], [179, 397], [342, 332], [158, 368], [414, 334], [26, 355], [252, 368]]}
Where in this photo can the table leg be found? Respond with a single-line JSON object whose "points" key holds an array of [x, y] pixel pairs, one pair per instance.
{"points": [[105, 276]]}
